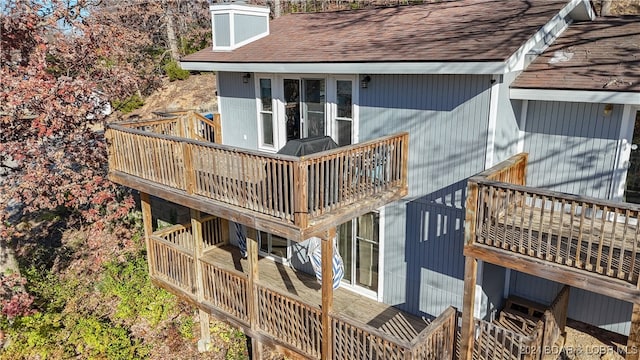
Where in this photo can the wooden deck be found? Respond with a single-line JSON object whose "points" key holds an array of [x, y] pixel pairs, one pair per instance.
{"points": [[585, 242], [301, 285], [276, 305], [294, 197], [578, 241]]}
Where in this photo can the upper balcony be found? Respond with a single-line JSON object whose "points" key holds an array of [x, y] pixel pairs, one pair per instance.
{"points": [[294, 197], [576, 240]]}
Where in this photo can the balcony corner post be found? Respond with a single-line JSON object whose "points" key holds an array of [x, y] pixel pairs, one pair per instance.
{"points": [[147, 224], [405, 162], [471, 210], [468, 311], [254, 302], [327, 292], [301, 196]]}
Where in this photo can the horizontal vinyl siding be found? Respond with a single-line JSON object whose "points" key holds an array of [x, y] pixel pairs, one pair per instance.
{"points": [[586, 306], [238, 110], [571, 146], [446, 117]]}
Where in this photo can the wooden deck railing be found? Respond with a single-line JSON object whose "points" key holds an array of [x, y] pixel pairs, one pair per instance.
{"points": [[227, 291], [355, 340], [286, 187], [286, 318], [494, 342], [186, 124], [290, 320], [589, 234]]}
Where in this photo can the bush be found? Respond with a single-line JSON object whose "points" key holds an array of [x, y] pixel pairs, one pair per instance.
{"points": [[175, 72], [129, 104]]}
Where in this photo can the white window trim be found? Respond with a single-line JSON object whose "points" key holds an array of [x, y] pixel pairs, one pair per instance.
{"points": [[374, 295], [285, 261], [332, 100], [623, 152], [274, 113], [277, 94]]}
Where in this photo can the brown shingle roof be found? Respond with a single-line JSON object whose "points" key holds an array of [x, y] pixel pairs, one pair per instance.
{"points": [[602, 55], [464, 30]]}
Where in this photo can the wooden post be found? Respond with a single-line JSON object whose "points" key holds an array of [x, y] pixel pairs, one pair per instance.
{"points": [[252, 254], [224, 231], [217, 128], [198, 249], [147, 225], [301, 204], [405, 162], [327, 291], [468, 302], [633, 341], [204, 343], [189, 174]]}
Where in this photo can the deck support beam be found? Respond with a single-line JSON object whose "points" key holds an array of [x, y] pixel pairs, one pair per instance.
{"points": [[147, 225], [468, 302], [204, 344], [327, 291], [252, 254], [633, 341]]}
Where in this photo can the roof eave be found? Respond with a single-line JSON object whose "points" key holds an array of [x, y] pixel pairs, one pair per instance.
{"points": [[576, 95], [547, 34], [447, 67]]}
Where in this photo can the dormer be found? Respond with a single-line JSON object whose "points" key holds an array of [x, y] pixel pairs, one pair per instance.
{"points": [[235, 24]]}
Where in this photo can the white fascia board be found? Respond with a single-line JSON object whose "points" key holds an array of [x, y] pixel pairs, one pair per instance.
{"points": [[516, 62], [605, 97], [239, 9], [480, 68]]}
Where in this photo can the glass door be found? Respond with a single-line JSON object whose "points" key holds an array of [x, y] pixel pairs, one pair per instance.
{"points": [[313, 105], [632, 184], [292, 108], [358, 244], [273, 246]]}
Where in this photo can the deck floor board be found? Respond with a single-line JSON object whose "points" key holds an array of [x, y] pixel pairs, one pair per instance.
{"points": [[304, 286], [593, 244]]}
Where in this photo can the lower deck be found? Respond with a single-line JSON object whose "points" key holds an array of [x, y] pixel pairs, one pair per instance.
{"points": [[301, 285], [275, 305]]}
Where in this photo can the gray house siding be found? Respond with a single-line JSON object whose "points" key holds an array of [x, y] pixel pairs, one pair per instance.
{"points": [[446, 117], [507, 130], [221, 30], [248, 26], [602, 311], [572, 146], [238, 110]]}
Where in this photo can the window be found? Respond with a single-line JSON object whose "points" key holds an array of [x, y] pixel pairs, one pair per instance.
{"points": [[273, 245], [266, 114], [297, 106], [344, 114], [359, 246]]}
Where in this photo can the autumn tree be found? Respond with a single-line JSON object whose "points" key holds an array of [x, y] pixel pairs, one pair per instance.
{"points": [[61, 63]]}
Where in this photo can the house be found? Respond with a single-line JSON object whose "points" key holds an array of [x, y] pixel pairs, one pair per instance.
{"points": [[419, 99]]}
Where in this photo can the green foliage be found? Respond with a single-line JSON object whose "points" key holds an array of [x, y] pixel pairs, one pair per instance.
{"points": [[234, 340], [185, 327], [80, 320], [175, 72], [193, 44], [137, 297], [129, 104]]}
